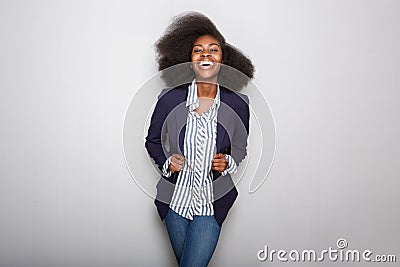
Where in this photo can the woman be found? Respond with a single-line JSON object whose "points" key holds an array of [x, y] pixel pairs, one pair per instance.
{"points": [[206, 126]]}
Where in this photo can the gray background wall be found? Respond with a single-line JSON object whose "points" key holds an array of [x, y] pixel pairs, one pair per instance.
{"points": [[69, 69]]}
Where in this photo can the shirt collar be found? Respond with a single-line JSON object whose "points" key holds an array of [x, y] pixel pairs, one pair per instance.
{"points": [[192, 100]]}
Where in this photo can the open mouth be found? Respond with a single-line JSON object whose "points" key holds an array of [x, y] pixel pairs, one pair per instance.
{"points": [[206, 63]]}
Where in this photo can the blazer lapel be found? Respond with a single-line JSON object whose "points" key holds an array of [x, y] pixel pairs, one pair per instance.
{"points": [[181, 113]]}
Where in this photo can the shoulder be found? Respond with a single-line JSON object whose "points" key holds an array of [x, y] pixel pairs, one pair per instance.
{"points": [[173, 96], [234, 99]]}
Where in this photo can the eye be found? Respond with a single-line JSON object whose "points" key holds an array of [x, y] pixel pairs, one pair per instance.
{"points": [[213, 50], [197, 50]]}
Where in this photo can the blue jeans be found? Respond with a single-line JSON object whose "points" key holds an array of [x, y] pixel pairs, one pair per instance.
{"points": [[193, 241]]}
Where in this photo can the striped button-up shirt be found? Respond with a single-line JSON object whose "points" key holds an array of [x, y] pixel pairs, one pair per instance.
{"points": [[193, 194]]}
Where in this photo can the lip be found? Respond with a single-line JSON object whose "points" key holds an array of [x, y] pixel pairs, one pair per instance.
{"points": [[205, 64]]}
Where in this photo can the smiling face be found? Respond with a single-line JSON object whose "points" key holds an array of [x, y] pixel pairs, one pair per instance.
{"points": [[206, 58]]}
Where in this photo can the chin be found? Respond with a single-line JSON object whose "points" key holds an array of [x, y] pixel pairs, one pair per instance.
{"points": [[209, 79], [210, 76]]}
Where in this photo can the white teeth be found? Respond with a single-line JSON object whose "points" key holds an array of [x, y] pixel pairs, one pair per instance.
{"points": [[206, 63]]}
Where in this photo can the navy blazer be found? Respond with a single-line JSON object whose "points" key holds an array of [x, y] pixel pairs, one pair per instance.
{"points": [[166, 136]]}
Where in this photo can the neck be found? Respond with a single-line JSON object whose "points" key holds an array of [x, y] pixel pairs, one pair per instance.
{"points": [[206, 89]]}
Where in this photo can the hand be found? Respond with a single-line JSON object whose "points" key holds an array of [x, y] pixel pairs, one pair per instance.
{"points": [[219, 162], [176, 163]]}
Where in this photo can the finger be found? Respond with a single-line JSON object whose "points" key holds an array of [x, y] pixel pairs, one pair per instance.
{"points": [[219, 156], [173, 168], [223, 164], [220, 165], [177, 160], [180, 166], [218, 169], [178, 156], [222, 160], [176, 165]]}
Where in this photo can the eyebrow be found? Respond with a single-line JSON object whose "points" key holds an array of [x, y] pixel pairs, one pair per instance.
{"points": [[208, 44]]}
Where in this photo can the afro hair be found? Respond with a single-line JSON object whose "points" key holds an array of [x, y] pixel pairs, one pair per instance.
{"points": [[174, 47]]}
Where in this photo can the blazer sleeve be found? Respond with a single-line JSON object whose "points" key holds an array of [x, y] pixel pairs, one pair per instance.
{"points": [[241, 130], [156, 134]]}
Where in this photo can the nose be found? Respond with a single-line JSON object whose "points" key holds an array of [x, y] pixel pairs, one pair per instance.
{"points": [[205, 54]]}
